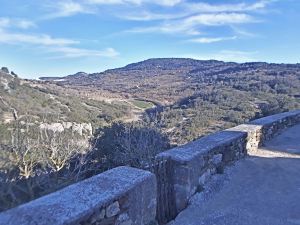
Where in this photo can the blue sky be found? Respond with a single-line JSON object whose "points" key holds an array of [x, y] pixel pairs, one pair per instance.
{"points": [[56, 38]]}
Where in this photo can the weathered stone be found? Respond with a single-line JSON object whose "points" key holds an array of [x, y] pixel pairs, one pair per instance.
{"points": [[54, 127], [189, 161], [128, 222], [182, 194], [123, 219], [77, 203], [79, 128], [113, 209], [67, 125], [205, 176], [105, 221], [98, 216], [268, 197], [180, 172], [217, 159]]}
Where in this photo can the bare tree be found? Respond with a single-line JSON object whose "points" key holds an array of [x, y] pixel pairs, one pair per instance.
{"points": [[129, 144], [37, 162]]}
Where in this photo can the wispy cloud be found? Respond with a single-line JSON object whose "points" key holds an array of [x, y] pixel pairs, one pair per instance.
{"points": [[167, 2], [66, 9], [207, 40], [227, 56], [191, 18], [136, 2], [218, 19], [65, 48], [168, 28], [181, 17], [4, 22], [37, 39], [193, 8], [18, 23], [217, 8], [150, 16], [192, 25], [109, 2], [73, 52], [243, 33]]}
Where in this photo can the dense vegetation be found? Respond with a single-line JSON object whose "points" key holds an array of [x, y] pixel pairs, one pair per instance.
{"points": [[192, 98], [195, 97], [20, 98]]}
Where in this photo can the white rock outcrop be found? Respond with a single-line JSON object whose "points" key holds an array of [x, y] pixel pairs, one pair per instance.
{"points": [[79, 128]]}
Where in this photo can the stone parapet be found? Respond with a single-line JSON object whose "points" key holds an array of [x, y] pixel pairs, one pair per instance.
{"points": [[128, 196], [121, 196], [190, 166]]}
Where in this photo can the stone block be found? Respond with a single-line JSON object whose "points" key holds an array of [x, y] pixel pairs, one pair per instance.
{"points": [[206, 175], [123, 219], [217, 159], [82, 203], [113, 209], [98, 216]]}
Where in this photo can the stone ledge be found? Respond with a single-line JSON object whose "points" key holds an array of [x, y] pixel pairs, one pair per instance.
{"points": [[191, 165], [122, 192], [129, 196], [202, 146], [277, 118]]}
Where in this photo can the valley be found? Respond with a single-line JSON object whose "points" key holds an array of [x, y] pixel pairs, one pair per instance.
{"points": [[57, 131], [195, 97]]}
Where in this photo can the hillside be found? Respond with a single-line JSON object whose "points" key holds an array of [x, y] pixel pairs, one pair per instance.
{"points": [[57, 131], [192, 97], [197, 97], [168, 80], [51, 107]]}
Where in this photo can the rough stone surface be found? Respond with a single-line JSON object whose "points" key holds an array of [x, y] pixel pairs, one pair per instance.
{"points": [[217, 159], [193, 164], [83, 202], [113, 209], [181, 173], [79, 128], [262, 189], [205, 176], [98, 216], [123, 219]]}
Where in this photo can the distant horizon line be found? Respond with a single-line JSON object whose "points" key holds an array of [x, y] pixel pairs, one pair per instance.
{"points": [[143, 60]]}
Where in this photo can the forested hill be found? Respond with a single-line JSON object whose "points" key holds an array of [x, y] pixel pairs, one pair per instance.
{"points": [[39, 103], [192, 98], [199, 97], [168, 80]]}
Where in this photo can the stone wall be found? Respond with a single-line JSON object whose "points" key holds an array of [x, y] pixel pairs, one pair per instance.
{"points": [[120, 196], [125, 196], [191, 165]]}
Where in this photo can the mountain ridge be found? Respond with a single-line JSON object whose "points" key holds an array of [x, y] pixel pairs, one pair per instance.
{"points": [[174, 62], [192, 97]]}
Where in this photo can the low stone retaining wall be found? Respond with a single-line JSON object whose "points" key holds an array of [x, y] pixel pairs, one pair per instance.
{"points": [[191, 165], [128, 196], [120, 196], [260, 130]]}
